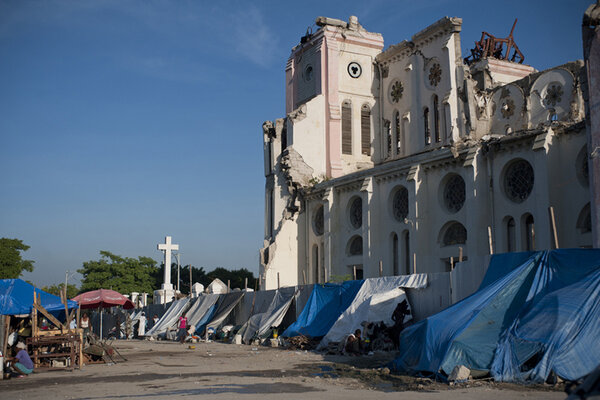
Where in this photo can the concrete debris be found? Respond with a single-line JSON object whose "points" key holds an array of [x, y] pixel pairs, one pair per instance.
{"points": [[459, 373]]}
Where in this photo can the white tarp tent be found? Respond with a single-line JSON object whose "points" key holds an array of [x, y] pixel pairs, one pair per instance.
{"points": [[199, 309], [259, 324], [374, 302], [169, 319]]}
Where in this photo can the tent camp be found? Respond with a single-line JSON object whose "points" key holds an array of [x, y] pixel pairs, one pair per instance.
{"points": [[534, 313], [259, 324], [375, 301], [16, 298], [169, 319], [326, 303], [201, 312], [226, 304]]}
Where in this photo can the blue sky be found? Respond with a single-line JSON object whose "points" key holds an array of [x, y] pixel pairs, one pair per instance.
{"points": [[123, 121]]}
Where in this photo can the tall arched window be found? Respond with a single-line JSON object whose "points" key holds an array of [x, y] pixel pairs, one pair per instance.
{"points": [[347, 127], [510, 235], [528, 232], [316, 263], [365, 130], [436, 119], [395, 264], [388, 138], [398, 131], [426, 126], [406, 253]]}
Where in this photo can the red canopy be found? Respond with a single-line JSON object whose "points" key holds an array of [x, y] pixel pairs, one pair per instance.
{"points": [[103, 298]]}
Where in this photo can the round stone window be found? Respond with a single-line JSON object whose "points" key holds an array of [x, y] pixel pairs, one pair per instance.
{"points": [[454, 193], [318, 221], [308, 73], [400, 204], [356, 213], [518, 181]]}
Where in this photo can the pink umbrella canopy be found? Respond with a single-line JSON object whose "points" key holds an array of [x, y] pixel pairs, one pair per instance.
{"points": [[104, 298]]}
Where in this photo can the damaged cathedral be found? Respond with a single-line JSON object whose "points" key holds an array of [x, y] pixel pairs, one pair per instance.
{"points": [[417, 159]]}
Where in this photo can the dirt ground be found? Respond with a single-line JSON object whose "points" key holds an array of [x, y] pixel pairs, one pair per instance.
{"points": [[167, 370]]}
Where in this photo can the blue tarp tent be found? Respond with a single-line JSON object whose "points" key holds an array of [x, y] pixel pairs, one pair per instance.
{"points": [[16, 298], [326, 303], [543, 311]]}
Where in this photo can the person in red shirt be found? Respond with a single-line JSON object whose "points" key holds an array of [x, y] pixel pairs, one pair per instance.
{"points": [[182, 334]]}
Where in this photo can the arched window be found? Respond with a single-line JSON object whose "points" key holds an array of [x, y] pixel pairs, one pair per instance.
{"points": [[454, 234], [347, 127], [365, 130], [510, 235], [398, 133], [436, 118], [388, 138], [316, 263], [355, 246], [426, 126], [528, 232], [584, 221], [355, 212]]}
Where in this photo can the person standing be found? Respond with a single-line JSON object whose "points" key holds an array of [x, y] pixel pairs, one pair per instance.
{"points": [[85, 325], [182, 334], [142, 325]]}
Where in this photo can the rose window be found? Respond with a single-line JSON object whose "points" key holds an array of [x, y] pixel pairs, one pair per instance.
{"points": [[396, 91], [454, 193], [518, 181], [356, 213], [435, 74], [400, 204], [508, 108], [455, 234], [553, 95]]}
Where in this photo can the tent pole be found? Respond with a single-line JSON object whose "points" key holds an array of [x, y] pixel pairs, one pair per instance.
{"points": [[101, 323]]}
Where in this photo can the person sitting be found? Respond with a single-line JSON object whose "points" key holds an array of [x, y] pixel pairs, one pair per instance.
{"points": [[353, 344], [23, 364]]}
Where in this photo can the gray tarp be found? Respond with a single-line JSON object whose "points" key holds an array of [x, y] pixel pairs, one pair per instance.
{"points": [[226, 304], [197, 311], [254, 303], [170, 318], [259, 324]]}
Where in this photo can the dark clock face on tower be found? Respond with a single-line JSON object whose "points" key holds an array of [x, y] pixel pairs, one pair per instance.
{"points": [[354, 69]]}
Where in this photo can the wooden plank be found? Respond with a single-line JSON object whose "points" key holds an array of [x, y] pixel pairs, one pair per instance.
{"points": [[553, 225], [50, 317]]}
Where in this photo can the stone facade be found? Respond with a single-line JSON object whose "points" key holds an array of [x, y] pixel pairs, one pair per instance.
{"points": [[401, 161]]}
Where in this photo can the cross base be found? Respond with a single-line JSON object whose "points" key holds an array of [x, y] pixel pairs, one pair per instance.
{"points": [[164, 295]]}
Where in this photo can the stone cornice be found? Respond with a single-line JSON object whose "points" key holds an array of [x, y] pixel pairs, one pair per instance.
{"points": [[443, 27]]}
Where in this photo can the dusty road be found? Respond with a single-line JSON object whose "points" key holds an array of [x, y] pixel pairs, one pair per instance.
{"points": [[166, 370]]}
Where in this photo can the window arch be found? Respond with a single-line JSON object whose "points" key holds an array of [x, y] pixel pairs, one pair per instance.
{"points": [[400, 203], [346, 127], [388, 138], [426, 126], [395, 261], [398, 132], [510, 234], [584, 221], [355, 246], [365, 130], [355, 212], [436, 118], [528, 229], [519, 178], [316, 263], [454, 233]]}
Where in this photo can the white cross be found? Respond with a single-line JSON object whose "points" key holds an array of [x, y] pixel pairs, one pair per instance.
{"points": [[167, 247]]}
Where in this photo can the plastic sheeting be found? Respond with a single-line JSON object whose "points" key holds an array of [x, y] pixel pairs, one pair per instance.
{"points": [[259, 324], [543, 312], [201, 311], [169, 319], [16, 298], [326, 303], [374, 302], [226, 304]]}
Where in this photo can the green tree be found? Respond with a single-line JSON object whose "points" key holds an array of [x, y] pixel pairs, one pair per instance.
{"points": [[123, 274], [11, 263], [235, 277], [72, 290]]}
